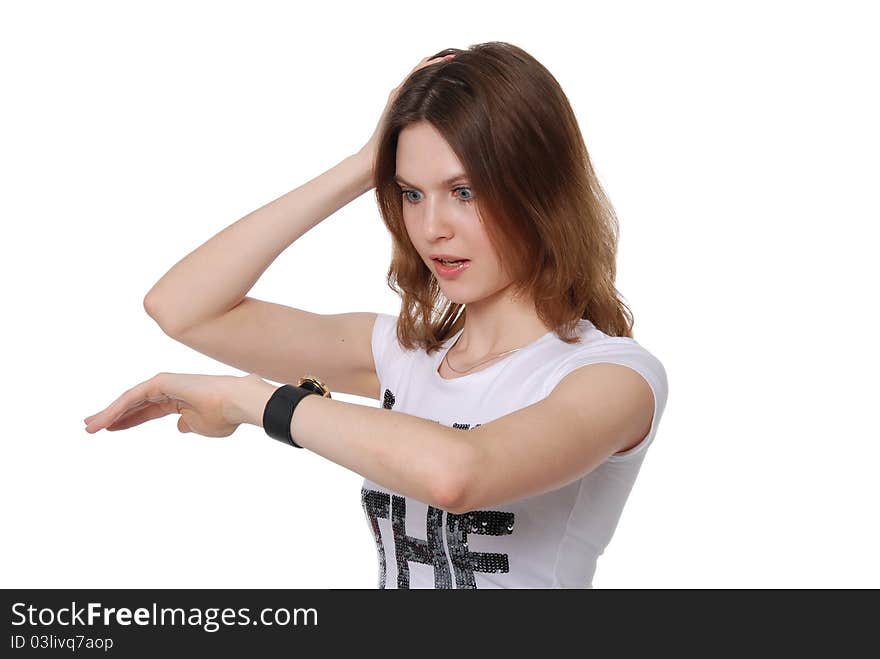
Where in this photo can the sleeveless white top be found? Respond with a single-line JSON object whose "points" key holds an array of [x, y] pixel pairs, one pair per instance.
{"points": [[552, 540]]}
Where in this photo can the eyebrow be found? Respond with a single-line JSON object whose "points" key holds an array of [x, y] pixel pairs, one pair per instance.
{"points": [[449, 181]]}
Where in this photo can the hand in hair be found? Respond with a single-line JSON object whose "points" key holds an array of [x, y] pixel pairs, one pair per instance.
{"points": [[368, 151]]}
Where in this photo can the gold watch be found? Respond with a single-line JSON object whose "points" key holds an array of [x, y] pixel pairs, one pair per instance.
{"points": [[313, 384]]}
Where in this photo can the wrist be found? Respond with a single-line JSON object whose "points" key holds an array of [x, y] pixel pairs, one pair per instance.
{"points": [[249, 399], [364, 161]]}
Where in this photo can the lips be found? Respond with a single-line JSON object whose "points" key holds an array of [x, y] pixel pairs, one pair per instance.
{"points": [[448, 257], [451, 271]]}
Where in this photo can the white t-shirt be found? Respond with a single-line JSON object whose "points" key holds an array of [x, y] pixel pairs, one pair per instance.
{"points": [[547, 541]]}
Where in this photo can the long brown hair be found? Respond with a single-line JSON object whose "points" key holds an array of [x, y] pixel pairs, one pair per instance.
{"points": [[510, 124]]}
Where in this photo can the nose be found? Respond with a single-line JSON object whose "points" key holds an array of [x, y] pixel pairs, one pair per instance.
{"points": [[436, 220]]}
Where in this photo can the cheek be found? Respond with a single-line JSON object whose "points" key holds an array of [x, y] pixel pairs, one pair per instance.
{"points": [[483, 246], [408, 227]]}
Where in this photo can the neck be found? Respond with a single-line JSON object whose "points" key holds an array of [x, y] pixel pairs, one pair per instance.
{"points": [[495, 326]]}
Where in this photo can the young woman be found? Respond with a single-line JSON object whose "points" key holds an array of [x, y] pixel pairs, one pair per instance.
{"points": [[516, 408]]}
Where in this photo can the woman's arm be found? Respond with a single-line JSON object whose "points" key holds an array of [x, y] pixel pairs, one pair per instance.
{"points": [[593, 412], [410, 455], [416, 457], [218, 275]]}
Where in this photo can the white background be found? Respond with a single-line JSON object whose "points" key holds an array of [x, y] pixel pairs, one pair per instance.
{"points": [[738, 144]]}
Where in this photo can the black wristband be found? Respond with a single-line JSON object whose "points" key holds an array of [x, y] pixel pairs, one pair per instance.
{"points": [[279, 412]]}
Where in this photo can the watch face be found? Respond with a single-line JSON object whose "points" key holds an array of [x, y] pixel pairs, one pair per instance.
{"points": [[313, 384]]}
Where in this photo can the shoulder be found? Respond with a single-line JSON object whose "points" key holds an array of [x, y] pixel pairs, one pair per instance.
{"points": [[596, 347], [598, 412], [610, 371], [613, 399]]}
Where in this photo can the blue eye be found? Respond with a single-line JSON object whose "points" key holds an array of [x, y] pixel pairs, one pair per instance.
{"points": [[468, 199]]}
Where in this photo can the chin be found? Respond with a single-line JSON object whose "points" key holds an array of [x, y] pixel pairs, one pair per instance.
{"points": [[451, 294], [462, 297]]}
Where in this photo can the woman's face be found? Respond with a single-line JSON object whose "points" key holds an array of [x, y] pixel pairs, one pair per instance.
{"points": [[440, 213]]}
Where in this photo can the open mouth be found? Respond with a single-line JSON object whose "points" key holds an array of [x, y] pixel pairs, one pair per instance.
{"points": [[446, 268]]}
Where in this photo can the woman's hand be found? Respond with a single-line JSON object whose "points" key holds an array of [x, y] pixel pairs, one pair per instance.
{"points": [[206, 404], [368, 151]]}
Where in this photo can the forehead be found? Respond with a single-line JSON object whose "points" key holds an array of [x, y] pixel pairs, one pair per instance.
{"points": [[423, 156]]}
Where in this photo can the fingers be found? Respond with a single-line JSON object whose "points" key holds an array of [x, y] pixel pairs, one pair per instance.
{"points": [[427, 61], [141, 414], [142, 394]]}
